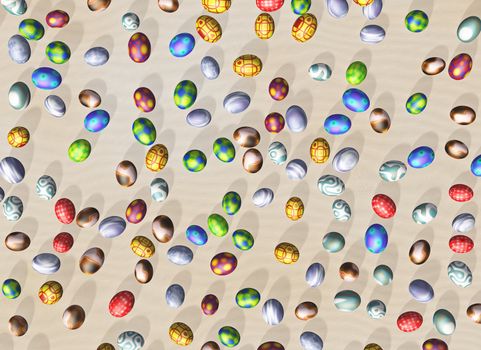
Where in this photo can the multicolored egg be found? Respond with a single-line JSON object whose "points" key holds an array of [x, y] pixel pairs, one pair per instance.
{"points": [[126, 173], [181, 334], [278, 88], [65, 210], [435, 344], [252, 161], [142, 246], [185, 94], [383, 206], [196, 235], [181, 45], [416, 21], [58, 52], [231, 203], [223, 264], [356, 73], [18, 137], [91, 260], [409, 321], [218, 225], [274, 122], [243, 239], [144, 131], [421, 157], [461, 193], [304, 27], [224, 150], [46, 78], [300, 7], [96, 120], [121, 303], [476, 166], [194, 160], [209, 304], [264, 26], [229, 336], [216, 6], [57, 19], [319, 150], [416, 103], [247, 66], [50, 292], [355, 100], [419, 252], [208, 28], [460, 66], [392, 170], [294, 208], [136, 211], [277, 153], [11, 288], [337, 124], [286, 253], [247, 298], [424, 213], [144, 99], [376, 238], [139, 47], [87, 217], [157, 157], [89, 98], [31, 29], [269, 5]]}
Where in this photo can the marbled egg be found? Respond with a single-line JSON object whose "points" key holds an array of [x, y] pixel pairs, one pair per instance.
{"points": [[463, 223], [383, 275], [469, 29], [376, 238], [223, 264], [2, 194], [341, 210], [231, 203], [19, 49], [337, 8], [456, 149], [98, 5], [392, 170], [11, 289], [130, 340], [73, 317], [55, 106], [379, 120], [310, 341], [208, 28], [196, 235], [144, 271], [236, 102], [306, 310], [210, 67], [272, 312], [229, 336], [144, 99], [345, 160], [91, 260], [180, 255], [17, 241], [304, 27], [337, 124], [277, 153], [19, 96], [286, 253], [247, 65], [15, 7], [409, 321], [416, 21], [424, 213], [121, 303], [376, 309], [136, 211], [209, 304], [355, 75], [416, 103], [126, 173], [17, 325], [246, 136], [247, 298], [435, 344], [163, 228], [474, 313], [198, 118], [194, 160], [421, 157], [58, 52], [263, 197], [333, 242], [463, 115], [433, 65], [156, 158], [112, 226], [50, 292], [296, 119], [296, 169], [142, 246], [461, 193], [139, 47], [57, 19], [185, 94], [175, 296], [419, 252], [264, 26], [46, 78], [224, 149], [87, 217], [373, 10], [130, 21], [144, 131], [96, 120], [320, 71], [349, 271], [460, 66], [347, 300], [252, 160], [46, 263], [63, 242], [460, 274], [444, 322], [372, 34], [159, 189], [181, 45], [421, 291], [89, 98], [330, 185], [12, 170], [319, 150], [169, 6], [355, 100], [315, 274], [12, 208], [96, 56], [294, 208]]}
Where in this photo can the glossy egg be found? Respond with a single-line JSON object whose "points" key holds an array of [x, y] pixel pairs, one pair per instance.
{"points": [[392, 170], [79, 150], [11, 289], [270, 345], [461, 193], [310, 341], [18, 137], [126, 173], [194, 160], [144, 99], [277, 153], [31, 29], [63, 242], [383, 275], [208, 28], [223, 264], [264, 26], [319, 150], [15, 7], [456, 149], [435, 344], [433, 65], [169, 6], [210, 67], [294, 208], [50, 292], [57, 19], [58, 52], [278, 89], [345, 160], [376, 238], [247, 65], [469, 29], [106, 346], [96, 56], [296, 169], [209, 304], [315, 274], [236, 102], [89, 98], [144, 131], [409, 321], [163, 228], [263, 197], [17, 241], [55, 106], [347, 300], [224, 150], [379, 120], [356, 73], [247, 298], [130, 21], [286, 253], [112, 226], [333, 242], [252, 160], [419, 252], [210, 345], [19, 96], [320, 71], [12, 170], [371, 12], [349, 272], [142, 246], [243, 239], [65, 210], [330, 185], [231, 203], [87, 217], [159, 189], [247, 137], [421, 291], [185, 94], [229, 336], [269, 5], [460, 274], [46, 263], [474, 313], [180, 255], [121, 303], [444, 322], [299, 7], [181, 45], [144, 271], [463, 223], [372, 34], [304, 27], [73, 317], [17, 325], [196, 235], [156, 158], [416, 21], [476, 166], [129, 340], [46, 78], [461, 244], [355, 100], [421, 157], [91, 260], [424, 213], [98, 5], [337, 124], [416, 103], [19, 49], [216, 6], [12, 208], [376, 309], [97, 120], [460, 66], [341, 210], [272, 312], [139, 47], [175, 296], [383, 206], [274, 122], [198, 118], [306, 310], [136, 211]]}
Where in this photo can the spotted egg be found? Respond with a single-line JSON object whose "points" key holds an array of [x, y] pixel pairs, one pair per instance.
{"points": [[460, 66], [421, 157], [278, 88], [185, 94], [31, 29], [434, 344], [223, 264], [97, 120], [243, 239], [136, 211], [196, 235], [224, 150], [416, 103], [46, 78], [376, 238], [247, 298], [57, 19], [144, 99], [355, 100], [209, 304], [181, 44], [58, 52], [337, 124], [139, 47]]}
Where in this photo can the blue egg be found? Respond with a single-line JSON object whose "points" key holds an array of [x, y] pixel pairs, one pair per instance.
{"points": [[355, 100], [376, 238], [476, 166], [421, 157], [46, 78], [182, 44], [337, 124], [196, 235], [97, 120]]}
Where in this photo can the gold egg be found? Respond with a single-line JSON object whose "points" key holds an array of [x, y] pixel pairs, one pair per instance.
{"points": [[304, 27], [264, 26], [320, 150], [156, 158], [294, 208], [247, 66], [286, 253], [142, 246]]}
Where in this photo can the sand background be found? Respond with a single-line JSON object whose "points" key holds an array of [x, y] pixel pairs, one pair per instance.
{"points": [[394, 74]]}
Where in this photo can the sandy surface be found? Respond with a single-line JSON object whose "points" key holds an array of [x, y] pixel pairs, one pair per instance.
{"points": [[394, 74]]}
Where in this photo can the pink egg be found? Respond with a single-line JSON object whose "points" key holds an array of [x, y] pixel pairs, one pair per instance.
{"points": [[136, 211], [274, 122], [139, 47], [57, 19], [460, 66], [144, 99], [223, 264]]}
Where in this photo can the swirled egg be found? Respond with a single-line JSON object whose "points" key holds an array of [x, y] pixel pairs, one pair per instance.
{"points": [[421, 291], [246, 136], [144, 271], [376, 309], [456, 149], [330, 185], [424, 213], [180, 255], [383, 275], [96, 56], [159, 189], [17, 241], [130, 21], [463, 223], [163, 228], [341, 210], [129, 340], [460, 274], [392, 170], [320, 71], [372, 34], [175, 296], [296, 169], [89, 98], [12, 170]]}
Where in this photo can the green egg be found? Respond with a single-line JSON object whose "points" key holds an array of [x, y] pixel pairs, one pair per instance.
{"points": [[416, 103], [19, 96], [79, 150], [218, 226], [347, 300], [31, 29], [243, 239], [383, 275], [224, 150], [11, 288], [144, 131], [185, 94], [416, 21], [58, 52], [333, 242], [444, 322], [231, 203], [356, 73], [194, 160], [229, 336], [247, 298]]}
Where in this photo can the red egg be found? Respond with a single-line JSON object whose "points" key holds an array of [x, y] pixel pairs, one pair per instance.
{"points": [[63, 242], [461, 193], [383, 206], [461, 244], [460, 66], [136, 211], [210, 304], [57, 19], [409, 321], [269, 5], [223, 264], [139, 47], [144, 99], [274, 122], [278, 89], [65, 210], [121, 303]]}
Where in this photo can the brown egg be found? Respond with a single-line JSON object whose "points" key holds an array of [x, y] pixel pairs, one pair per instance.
{"points": [[98, 5], [18, 325], [419, 252], [106, 346], [126, 173], [456, 149], [73, 317], [252, 161], [247, 137], [462, 115], [87, 217], [169, 5], [210, 345], [306, 310], [92, 260], [379, 120], [349, 271], [474, 313], [372, 346], [144, 271], [433, 65], [17, 241], [163, 228], [89, 98]]}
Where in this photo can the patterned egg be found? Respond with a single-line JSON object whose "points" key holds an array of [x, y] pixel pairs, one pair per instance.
{"points": [[112, 226], [349, 272], [17, 325], [383, 206], [247, 298], [181, 334], [12, 208], [31, 29], [305, 311], [58, 52], [208, 29], [50, 292], [247, 137], [129, 340], [460, 274], [270, 345], [121, 303], [247, 65], [474, 313], [185, 94], [130, 21], [139, 47], [181, 45], [476, 166], [347, 300], [272, 312], [144, 131], [409, 321], [46, 263], [345, 160], [356, 73], [269, 5], [376, 309], [424, 213], [19, 96], [136, 211], [236, 102], [65, 210], [180, 255], [277, 153], [460, 66], [416, 103], [337, 124], [341, 210], [330, 185], [163, 228], [209, 304], [175, 296], [300, 7], [87, 217], [355, 100], [296, 169], [392, 170], [304, 27], [17, 241], [229, 336], [310, 341], [126, 173], [421, 157], [364, 2], [421, 291], [433, 65], [159, 189], [419, 252], [216, 6], [224, 150], [376, 238], [15, 7], [91, 260], [18, 137], [11, 288], [218, 225], [456, 149], [383, 275], [63, 242], [372, 34], [231, 203], [196, 235], [73, 317], [461, 193], [469, 29], [194, 160], [156, 158], [198, 118], [286, 253], [461, 244], [274, 122], [223, 264], [79, 150], [264, 26], [320, 71], [252, 160], [315, 274], [435, 344], [294, 208], [144, 99], [319, 150], [243, 239], [108, 346], [263, 197], [97, 120], [416, 21], [55, 106], [142, 246], [278, 89], [210, 67], [57, 19], [169, 5], [463, 223], [444, 322], [379, 120], [333, 242], [89, 98], [96, 56], [372, 346], [144, 271], [46, 78]]}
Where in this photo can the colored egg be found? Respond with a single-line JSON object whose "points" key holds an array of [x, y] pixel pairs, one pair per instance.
{"points": [[372, 34], [18, 137], [263, 197], [210, 67], [17, 241], [347, 300], [130, 21], [463, 223], [19, 49], [333, 242], [198, 118], [139, 47], [208, 28], [319, 150], [112, 226], [79, 150], [163, 228], [296, 169], [409, 321], [142, 246], [31, 29], [98, 5], [17, 325], [376, 238], [194, 161], [330, 185], [278, 89], [269, 5], [286, 253], [345, 160], [320, 71], [19, 96], [383, 206], [376, 309], [315, 274], [304, 27], [159, 189], [421, 157], [463, 115], [252, 160], [50, 292], [270, 345], [156, 158], [144, 99], [461, 193], [223, 264], [356, 73], [58, 52], [243, 239], [169, 6], [231, 203], [310, 341], [247, 298], [2, 194], [380, 121], [416, 21], [305, 311], [181, 45], [57, 19], [421, 291], [392, 170], [337, 124], [96, 56], [228, 336], [174, 296], [129, 340], [106, 346], [416, 103], [196, 235], [144, 271], [247, 65], [435, 344], [185, 94], [181, 334], [121, 303], [96, 120], [15, 7], [55, 106], [274, 122], [419, 252], [460, 66], [63, 242], [461, 244], [209, 304], [474, 313], [87, 217], [264, 26], [363, 2], [218, 225], [300, 7], [371, 12], [89, 98], [91, 260], [144, 131], [476, 166], [11, 288], [46, 263], [341, 210], [246, 136], [349, 272], [294, 208], [126, 173], [136, 211], [278, 153], [444, 322], [424, 213], [236, 102], [456, 149], [73, 317], [272, 312], [12, 208], [46, 78], [224, 150], [180, 255], [469, 29], [433, 65], [383, 275], [460, 274], [216, 6]]}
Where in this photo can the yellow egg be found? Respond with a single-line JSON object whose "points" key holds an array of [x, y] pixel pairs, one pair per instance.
{"points": [[247, 65], [216, 6], [156, 157], [18, 137], [286, 253], [304, 27], [142, 246], [294, 208], [320, 150], [364, 2], [208, 28], [50, 292], [181, 334], [264, 26]]}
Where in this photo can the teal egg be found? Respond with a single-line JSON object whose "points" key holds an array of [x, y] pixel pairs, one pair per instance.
{"points": [[231, 203], [376, 309], [224, 150], [444, 322], [392, 170], [416, 103], [416, 21], [31, 29], [347, 300], [424, 213], [469, 29], [19, 96], [194, 160], [383, 275], [247, 298], [11, 288], [243, 239], [185, 94], [58, 52], [277, 153], [229, 336], [15, 7], [300, 7], [333, 242], [144, 131]]}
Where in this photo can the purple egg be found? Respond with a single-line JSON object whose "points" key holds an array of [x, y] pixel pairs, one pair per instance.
{"points": [[355, 100], [46, 78], [421, 157], [337, 124], [96, 120]]}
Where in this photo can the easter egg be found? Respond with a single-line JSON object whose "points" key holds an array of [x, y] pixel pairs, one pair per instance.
{"points": [[433, 65], [274, 122], [223, 264], [91, 260], [419, 252], [315, 274], [421, 291], [97, 120], [57, 19], [272, 312], [383, 206], [263, 197], [229, 336], [185, 94], [463, 115], [456, 149], [271, 345], [175, 296], [355, 100], [341, 210], [333, 242], [379, 120], [112, 226], [461, 193], [337, 124], [98, 5], [19, 49], [319, 150], [392, 170], [469, 29], [144, 99], [163, 228], [216, 6], [18, 137], [300, 7], [209, 304], [156, 158], [79, 150], [46, 78], [136, 211], [159, 189], [435, 344], [31, 29], [330, 185], [311, 341], [277, 153], [424, 213], [236, 102], [371, 12], [409, 321], [286, 253], [181, 45], [139, 47], [372, 34], [144, 131], [461, 244], [11, 288], [376, 309], [121, 303], [243, 239], [12, 208], [196, 235], [269, 5], [194, 160], [198, 118], [460, 66], [383, 275], [247, 298], [96, 56], [278, 89], [247, 65], [126, 173], [65, 210], [349, 272], [356, 73], [264, 26], [208, 28], [168, 6], [246, 136], [15, 7], [347, 300], [218, 226], [421, 157], [89, 98], [17, 325], [107, 346], [304, 27], [144, 271], [476, 166], [463, 223], [252, 161], [320, 71], [129, 340], [46, 263], [460, 274], [58, 52], [130, 21], [17, 241], [63, 242], [224, 150], [73, 317], [87, 217], [210, 67], [363, 2], [444, 322], [19, 96], [376, 238], [55, 106], [180, 255], [50, 292], [294, 208], [474, 313], [345, 160], [296, 169], [210, 345], [142, 246], [306, 311], [416, 21], [231, 203]]}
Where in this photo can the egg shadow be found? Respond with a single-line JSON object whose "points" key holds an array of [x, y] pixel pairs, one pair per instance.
{"points": [[39, 342]]}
